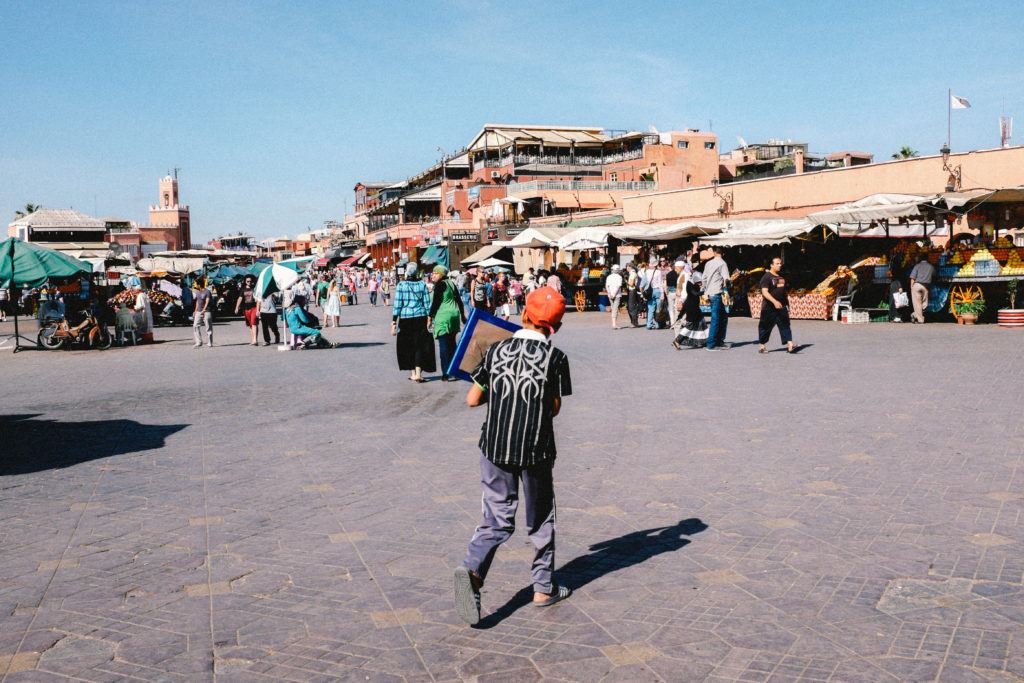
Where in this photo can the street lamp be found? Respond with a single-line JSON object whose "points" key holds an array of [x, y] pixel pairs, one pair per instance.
{"points": [[955, 179]]}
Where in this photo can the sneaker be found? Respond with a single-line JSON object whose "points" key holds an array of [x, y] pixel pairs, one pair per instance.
{"points": [[196, 346], [467, 597], [210, 345]]}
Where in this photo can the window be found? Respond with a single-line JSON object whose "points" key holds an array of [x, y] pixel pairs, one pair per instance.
{"points": [[709, 145], [613, 177], [683, 144]]}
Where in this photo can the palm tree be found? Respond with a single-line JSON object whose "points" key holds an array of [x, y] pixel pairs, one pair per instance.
{"points": [[29, 209], [905, 153]]}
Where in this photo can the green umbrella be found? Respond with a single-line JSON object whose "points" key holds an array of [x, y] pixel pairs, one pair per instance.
{"points": [[23, 264], [29, 265], [258, 267], [276, 278]]}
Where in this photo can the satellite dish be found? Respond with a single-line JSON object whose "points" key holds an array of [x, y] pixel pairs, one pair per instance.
{"points": [[115, 249], [743, 143], [652, 129]]}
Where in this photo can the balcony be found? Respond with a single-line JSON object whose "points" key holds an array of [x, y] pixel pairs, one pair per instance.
{"points": [[444, 220], [582, 185]]}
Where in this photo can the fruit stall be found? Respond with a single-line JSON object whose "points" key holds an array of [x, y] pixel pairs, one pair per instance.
{"points": [[807, 304]]}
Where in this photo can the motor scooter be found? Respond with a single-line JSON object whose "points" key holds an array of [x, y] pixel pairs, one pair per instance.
{"points": [[57, 333]]}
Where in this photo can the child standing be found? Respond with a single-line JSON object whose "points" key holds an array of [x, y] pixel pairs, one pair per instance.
{"points": [[522, 380]]}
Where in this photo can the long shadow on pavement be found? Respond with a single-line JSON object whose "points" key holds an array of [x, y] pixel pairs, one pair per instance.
{"points": [[31, 445], [606, 557]]}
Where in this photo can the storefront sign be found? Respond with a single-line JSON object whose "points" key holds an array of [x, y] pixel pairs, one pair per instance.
{"points": [[463, 237], [473, 193], [492, 233], [512, 232], [383, 237]]}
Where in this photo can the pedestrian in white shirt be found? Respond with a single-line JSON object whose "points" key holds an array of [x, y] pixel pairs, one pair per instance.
{"points": [[613, 286]]}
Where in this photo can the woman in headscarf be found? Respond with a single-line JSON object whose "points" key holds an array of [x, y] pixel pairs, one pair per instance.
{"points": [[693, 331], [415, 346], [447, 315]]}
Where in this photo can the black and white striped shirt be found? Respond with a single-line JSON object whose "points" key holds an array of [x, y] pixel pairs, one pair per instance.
{"points": [[522, 377]]}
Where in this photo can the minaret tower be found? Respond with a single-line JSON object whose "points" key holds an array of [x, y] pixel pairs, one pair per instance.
{"points": [[171, 215]]}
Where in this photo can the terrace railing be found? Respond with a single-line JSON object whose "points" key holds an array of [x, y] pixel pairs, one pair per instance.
{"points": [[574, 185]]}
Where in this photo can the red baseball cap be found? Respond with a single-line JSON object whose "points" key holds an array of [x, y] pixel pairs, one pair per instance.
{"points": [[545, 307]]}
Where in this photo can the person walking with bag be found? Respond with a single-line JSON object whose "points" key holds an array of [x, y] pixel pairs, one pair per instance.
{"points": [[522, 380], [774, 308], [447, 316]]}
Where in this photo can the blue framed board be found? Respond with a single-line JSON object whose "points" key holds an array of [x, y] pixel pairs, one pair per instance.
{"points": [[481, 330]]}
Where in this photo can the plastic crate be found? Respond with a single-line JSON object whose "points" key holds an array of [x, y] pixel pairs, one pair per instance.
{"points": [[949, 271], [881, 271], [986, 268], [855, 317]]}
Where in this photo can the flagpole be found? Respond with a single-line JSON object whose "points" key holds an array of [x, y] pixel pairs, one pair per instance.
{"points": [[949, 114]]}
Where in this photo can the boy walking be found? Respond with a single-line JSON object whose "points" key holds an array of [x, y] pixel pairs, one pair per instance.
{"points": [[522, 380]]}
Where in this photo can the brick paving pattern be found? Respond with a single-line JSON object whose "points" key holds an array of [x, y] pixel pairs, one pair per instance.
{"points": [[851, 513]]}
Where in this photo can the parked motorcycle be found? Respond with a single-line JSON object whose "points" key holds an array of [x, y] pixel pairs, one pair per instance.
{"points": [[57, 333]]}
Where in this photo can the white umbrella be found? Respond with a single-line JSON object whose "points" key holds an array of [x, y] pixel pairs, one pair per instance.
{"points": [[491, 263], [276, 278]]}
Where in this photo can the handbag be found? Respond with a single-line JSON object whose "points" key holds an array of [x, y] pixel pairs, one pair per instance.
{"points": [[900, 300]]}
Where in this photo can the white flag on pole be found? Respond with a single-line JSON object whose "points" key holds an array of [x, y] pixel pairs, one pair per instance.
{"points": [[958, 102]]}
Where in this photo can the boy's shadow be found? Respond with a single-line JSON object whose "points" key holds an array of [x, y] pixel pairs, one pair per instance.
{"points": [[606, 557]]}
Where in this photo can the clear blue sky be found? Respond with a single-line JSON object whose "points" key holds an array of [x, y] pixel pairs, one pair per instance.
{"points": [[274, 111]]}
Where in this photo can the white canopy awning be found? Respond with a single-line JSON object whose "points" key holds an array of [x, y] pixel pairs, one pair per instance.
{"points": [[758, 232], [170, 265], [734, 231], [874, 229], [538, 237], [873, 207], [484, 252]]}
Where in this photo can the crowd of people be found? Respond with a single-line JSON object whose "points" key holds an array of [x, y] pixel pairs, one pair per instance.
{"points": [[430, 307]]}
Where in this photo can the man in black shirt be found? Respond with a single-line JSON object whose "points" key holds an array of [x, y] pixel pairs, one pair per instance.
{"points": [[774, 308], [522, 380]]}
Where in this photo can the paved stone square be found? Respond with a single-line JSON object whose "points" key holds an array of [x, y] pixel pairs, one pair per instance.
{"points": [[851, 513]]}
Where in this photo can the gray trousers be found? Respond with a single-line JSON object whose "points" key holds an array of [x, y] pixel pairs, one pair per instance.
{"points": [[500, 500], [673, 314], [204, 320]]}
